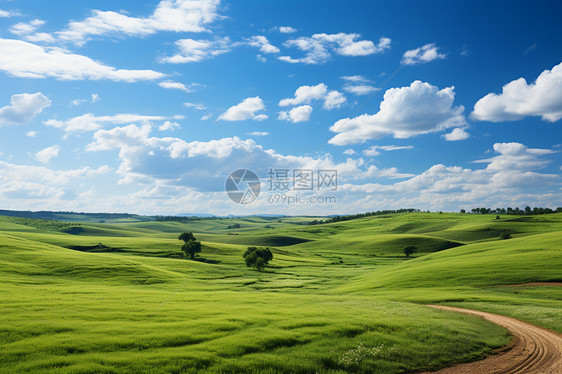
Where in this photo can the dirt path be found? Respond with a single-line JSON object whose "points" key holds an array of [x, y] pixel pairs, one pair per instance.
{"points": [[533, 349]]}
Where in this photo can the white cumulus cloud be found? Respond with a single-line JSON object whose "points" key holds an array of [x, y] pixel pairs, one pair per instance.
{"points": [[245, 110], [542, 98], [333, 99], [516, 156], [286, 29], [456, 134], [167, 126], [169, 15], [427, 53], [298, 114], [45, 155], [23, 108], [191, 50], [306, 94], [407, 111], [261, 42], [319, 47]]}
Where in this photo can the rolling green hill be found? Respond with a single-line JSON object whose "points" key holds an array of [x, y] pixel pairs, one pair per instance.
{"points": [[338, 297]]}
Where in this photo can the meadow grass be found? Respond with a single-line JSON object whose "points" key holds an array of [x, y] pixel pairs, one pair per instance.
{"points": [[338, 297]]}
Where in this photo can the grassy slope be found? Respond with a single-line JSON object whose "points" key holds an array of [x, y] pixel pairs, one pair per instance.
{"points": [[338, 297]]}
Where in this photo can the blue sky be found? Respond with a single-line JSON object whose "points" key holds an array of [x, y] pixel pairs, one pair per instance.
{"points": [[147, 107]]}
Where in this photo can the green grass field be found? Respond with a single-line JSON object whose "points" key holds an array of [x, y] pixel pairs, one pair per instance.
{"points": [[338, 297]]}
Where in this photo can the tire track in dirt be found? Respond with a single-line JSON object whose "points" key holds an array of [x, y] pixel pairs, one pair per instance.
{"points": [[533, 349]]}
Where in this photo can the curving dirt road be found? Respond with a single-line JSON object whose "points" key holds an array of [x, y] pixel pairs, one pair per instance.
{"points": [[533, 349]]}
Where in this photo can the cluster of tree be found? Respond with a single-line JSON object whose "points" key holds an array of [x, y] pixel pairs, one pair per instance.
{"points": [[63, 215], [362, 215], [235, 226], [528, 211], [258, 258], [47, 224], [174, 218], [190, 246]]}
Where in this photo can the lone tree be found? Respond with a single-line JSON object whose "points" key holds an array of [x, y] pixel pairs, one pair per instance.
{"points": [[190, 246], [410, 250], [258, 258]]}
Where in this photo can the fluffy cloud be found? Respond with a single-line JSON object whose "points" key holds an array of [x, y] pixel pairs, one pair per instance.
{"points": [[191, 50], [298, 114], [349, 152], [245, 110], [374, 150], [457, 134], [318, 47], [305, 95], [516, 156], [169, 15], [45, 155], [166, 165], [22, 28], [286, 29], [200, 165], [333, 99], [407, 111], [167, 126], [261, 42], [427, 53], [23, 185], [26, 30], [543, 98], [90, 122], [171, 174], [26, 60], [23, 108], [506, 181]]}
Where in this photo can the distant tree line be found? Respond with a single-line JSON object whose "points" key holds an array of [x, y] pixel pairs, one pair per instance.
{"points": [[47, 224], [361, 215], [62, 214], [528, 211], [174, 218]]}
